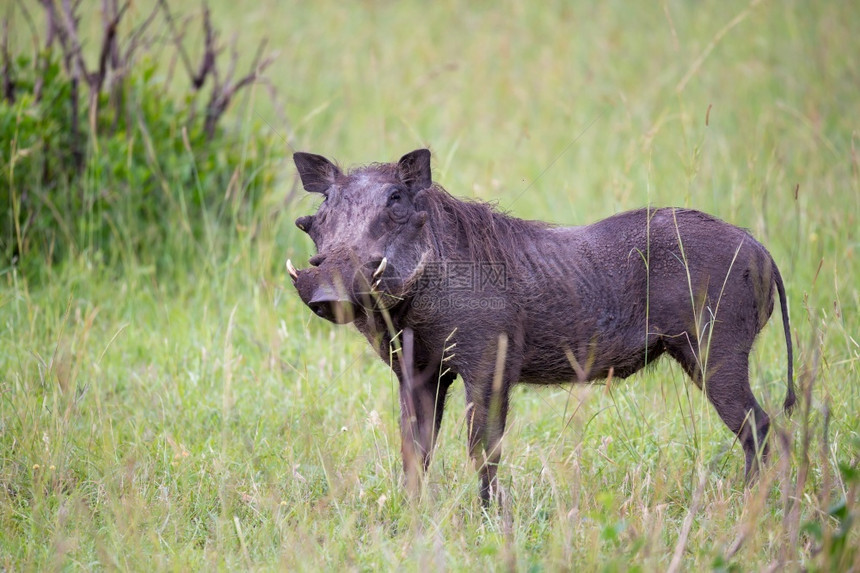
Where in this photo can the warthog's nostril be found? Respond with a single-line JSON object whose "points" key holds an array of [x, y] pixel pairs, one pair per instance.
{"points": [[319, 308], [330, 306], [324, 308]]}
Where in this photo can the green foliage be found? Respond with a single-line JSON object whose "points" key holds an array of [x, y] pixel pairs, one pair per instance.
{"points": [[36, 162], [836, 547], [146, 167]]}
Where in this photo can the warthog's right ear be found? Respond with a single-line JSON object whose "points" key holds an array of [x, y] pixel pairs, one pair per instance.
{"points": [[317, 172], [414, 169]]}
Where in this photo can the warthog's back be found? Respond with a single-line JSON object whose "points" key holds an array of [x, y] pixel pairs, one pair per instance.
{"points": [[607, 295]]}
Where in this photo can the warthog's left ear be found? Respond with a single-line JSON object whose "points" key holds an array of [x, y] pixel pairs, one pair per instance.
{"points": [[414, 169], [317, 172]]}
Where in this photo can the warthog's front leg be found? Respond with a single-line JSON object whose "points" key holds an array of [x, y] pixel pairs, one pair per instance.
{"points": [[423, 389]]}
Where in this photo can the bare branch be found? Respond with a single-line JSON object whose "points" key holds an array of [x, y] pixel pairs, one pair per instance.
{"points": [[50, 33], [112, 8], [96, 81], [135, 40], [177, 37], [69, 39], [207, 64], [180, 55], [223, 94], [51, 26], [66, 31], [50, 21], [114, 61]]}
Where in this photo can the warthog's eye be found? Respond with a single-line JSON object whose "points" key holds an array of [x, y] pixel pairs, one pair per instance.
{"points": [[394, 198], [398, 205]]}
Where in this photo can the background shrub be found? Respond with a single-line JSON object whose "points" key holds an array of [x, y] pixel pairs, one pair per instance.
{"points": [[116, 166]]}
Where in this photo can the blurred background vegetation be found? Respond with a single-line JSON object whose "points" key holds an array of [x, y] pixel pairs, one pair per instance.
{"points": [[166, 399]]}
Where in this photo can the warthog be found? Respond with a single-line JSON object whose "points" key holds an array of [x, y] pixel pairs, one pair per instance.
{"points": [[442, 287]]}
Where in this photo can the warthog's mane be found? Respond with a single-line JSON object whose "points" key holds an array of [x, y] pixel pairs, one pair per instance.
{"points": [[468, 229], [477, 229]]}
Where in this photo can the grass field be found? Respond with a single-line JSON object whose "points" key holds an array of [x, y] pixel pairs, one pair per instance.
{"points": [[178, 407]]}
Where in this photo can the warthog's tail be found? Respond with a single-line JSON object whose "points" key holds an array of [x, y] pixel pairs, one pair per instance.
{"points": [[790, 398]]}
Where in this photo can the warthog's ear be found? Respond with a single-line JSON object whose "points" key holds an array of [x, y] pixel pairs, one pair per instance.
{"points": [[414, 169], [317, 172]]}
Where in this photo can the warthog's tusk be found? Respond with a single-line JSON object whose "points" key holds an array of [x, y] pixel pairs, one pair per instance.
{"points": [[292, 270], [381, 268], [375, 286]]}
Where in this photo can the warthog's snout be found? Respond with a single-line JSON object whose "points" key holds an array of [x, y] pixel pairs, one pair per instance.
{"points": [[327, 300]]}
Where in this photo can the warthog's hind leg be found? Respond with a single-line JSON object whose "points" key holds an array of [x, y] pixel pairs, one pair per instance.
{"points": [[726, 383]]}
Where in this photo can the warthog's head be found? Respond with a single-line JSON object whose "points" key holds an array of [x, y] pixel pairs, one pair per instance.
{"points": [[369, 234]]}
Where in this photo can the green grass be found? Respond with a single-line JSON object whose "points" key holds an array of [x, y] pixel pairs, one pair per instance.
{"points": [[193, 414]]}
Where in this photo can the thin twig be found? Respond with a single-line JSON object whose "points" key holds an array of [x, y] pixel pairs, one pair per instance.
{"points": [[697, 63], [134, 40], [177, 38], [675, 564], [34, 35], [808, 382], [222, 94]]}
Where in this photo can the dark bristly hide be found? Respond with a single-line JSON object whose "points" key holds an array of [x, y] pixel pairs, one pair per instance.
{"points": [[442, 288]]}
